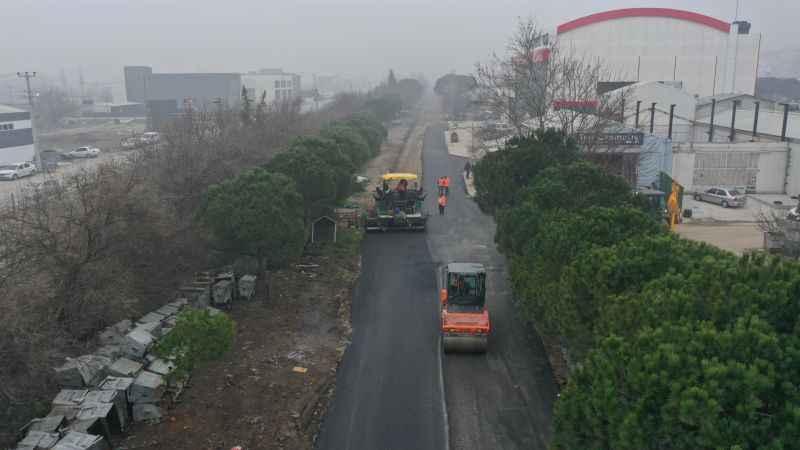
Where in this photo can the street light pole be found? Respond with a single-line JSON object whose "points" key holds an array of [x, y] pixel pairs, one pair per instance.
{"points": [[28, 75]]}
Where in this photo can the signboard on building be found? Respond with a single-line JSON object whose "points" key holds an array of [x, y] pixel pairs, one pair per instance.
{"points": [[584, 106], [610, 139]]}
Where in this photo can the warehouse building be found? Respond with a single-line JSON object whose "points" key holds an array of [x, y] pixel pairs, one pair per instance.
{"points": [[708, 56], [185, 89], [272, 84], [16, 135]]}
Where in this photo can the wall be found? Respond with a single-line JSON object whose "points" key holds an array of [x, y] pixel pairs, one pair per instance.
{"points": [[136, 81], [257, 84], [202, 88], [665, 48], [16, 144], [770, 171]]}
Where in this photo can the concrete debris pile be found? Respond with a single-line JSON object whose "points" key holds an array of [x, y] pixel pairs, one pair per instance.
{"points": [[122, 381]]}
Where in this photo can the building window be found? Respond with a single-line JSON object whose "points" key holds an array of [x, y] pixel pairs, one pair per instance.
{"points": [[277, 84], [7, 126]]}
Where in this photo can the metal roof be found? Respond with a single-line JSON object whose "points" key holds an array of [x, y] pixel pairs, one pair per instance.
{"points": [[10, 109], [670, 13], [456, 267]]}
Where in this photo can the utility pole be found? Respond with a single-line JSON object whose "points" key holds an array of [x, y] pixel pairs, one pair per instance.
{"points": [[28, 75]]}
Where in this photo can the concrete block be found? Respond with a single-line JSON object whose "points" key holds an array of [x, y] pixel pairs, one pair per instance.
{"points": [[119, 384], [161, 367], [39, 440], [247, 287], [150, 317], [148, 387], [114, 334], [109, 351], [223, 292], [137, 343], [146, 412], [86, 370], [213, 311], [124, 367], [153, 328], [75, 440], [49, 424], [167, 311], [114, 397]]}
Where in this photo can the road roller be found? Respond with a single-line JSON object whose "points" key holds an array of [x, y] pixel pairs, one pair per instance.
{"points": [[465, 318]]}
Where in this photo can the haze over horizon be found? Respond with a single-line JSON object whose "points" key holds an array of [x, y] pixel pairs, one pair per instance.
{"points": [[356, 38]]}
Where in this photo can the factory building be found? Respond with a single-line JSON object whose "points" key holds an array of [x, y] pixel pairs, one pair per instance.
{"points": [[708, 56], [16, 135]]}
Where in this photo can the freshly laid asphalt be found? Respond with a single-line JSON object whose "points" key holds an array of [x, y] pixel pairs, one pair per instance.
{"points": [[388, 391], [389, 394]]}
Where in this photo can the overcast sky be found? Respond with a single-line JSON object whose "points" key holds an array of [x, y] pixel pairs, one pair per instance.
{"points": [[351, 37]]}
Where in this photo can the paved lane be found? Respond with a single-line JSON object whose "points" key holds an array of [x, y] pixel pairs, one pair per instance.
{"points": [[388, 394], [503, 399]]}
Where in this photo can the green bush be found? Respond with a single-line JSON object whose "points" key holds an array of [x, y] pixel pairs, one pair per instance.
{"points": [[198, 338], [605, 272]]}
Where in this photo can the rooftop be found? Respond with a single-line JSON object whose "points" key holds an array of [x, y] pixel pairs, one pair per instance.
{"points": [[10, 109], [456, 267]]}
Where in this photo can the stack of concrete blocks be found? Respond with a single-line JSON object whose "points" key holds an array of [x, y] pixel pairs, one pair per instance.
{"points": [[121, 381]]}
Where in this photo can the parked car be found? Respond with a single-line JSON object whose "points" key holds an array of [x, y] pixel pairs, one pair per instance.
{"points": [[18, 170], [724, 197], [150, 137], [84, 152]]}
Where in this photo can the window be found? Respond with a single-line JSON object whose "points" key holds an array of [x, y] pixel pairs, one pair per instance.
{"points": [[6, 126], [277, 84]]}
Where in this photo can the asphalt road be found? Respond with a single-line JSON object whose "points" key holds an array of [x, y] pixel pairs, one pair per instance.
{"points": [[502, 399], [388, 392]]}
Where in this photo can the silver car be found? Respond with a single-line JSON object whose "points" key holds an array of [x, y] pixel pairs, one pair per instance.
{"points": [[722, 196]]}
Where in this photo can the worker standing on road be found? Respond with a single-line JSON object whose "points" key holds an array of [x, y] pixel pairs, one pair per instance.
{"points": [[446, 185], [467, 168], [442, 204], [440, 184]]}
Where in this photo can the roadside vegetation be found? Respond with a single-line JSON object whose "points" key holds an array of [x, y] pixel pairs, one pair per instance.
{"points": [[83, 252], [670, 343]]}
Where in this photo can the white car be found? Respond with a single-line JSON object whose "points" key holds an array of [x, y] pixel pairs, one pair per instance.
{"points": [[84, 152], [18, 170]]}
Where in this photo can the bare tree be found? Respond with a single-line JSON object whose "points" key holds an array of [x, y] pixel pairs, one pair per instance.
{"points": [[537, 84]]}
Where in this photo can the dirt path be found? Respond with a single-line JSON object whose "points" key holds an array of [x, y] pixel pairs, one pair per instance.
{"points": [[254, 398]]}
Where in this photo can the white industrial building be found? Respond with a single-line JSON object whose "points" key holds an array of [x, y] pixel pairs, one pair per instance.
{"points": [[16, 136], [756, 153], [709, 56], [277, 84]]}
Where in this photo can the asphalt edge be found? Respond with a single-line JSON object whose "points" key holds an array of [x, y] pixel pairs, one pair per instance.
{"points": [[446, 419]]}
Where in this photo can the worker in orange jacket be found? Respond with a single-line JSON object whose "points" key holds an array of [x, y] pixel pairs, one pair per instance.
{"points": [[440, 185], [442, 203], [446, 185]]}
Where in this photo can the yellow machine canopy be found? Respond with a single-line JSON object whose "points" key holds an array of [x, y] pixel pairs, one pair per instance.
{"points": [[399, 176]]}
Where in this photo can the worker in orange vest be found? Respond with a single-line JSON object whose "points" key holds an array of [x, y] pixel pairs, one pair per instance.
{"points": [[446, 185], [442, 204], [440, 184]]}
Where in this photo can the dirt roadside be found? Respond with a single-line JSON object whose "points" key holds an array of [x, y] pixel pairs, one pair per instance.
{"points": [[254, 397]]}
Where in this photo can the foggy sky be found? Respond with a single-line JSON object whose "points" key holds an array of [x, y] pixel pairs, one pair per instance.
{"points": [[350, 37]]}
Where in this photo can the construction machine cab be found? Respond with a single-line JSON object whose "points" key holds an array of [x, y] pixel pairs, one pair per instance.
{"points": [[466, 287]]}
